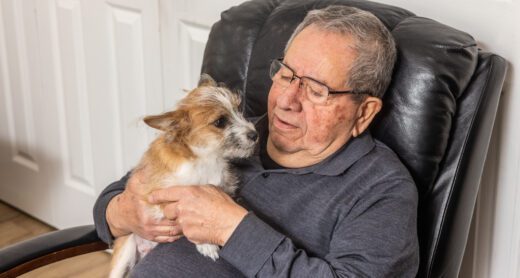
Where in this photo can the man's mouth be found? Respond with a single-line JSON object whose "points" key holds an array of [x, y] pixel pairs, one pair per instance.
{"points": [[281, 124]]}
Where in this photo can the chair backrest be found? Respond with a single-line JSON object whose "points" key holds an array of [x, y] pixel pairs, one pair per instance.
{"points": [[438, 111]]}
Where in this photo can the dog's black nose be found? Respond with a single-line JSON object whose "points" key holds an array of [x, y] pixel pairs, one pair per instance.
{"points": [[252, 135]]}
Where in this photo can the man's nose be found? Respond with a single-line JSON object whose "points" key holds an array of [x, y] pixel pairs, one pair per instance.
{"points": [[290, 99]]}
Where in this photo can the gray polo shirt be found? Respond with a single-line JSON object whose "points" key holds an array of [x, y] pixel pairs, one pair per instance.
{"points": [[351, 215]]}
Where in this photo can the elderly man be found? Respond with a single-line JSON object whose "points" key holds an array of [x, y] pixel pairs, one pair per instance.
{"points": [[320, 198]]}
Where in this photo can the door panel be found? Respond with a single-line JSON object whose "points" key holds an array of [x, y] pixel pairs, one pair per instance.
{"points": [[18, 58], [186, 29], [121, 55], [71, 91], [77, 77], [23, 142]]}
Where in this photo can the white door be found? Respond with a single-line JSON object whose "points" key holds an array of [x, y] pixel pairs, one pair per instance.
{"points": [[76, 78], [27, 137], [186, 29]]}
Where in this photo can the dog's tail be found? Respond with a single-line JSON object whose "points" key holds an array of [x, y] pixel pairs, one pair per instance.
{"points": [[124, 257]]}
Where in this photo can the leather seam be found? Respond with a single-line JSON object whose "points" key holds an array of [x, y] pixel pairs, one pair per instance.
{"points": [[454, 46]]}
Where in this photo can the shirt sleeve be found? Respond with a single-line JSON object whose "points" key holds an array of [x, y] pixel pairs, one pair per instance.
{"points": [[377, 238], [101, 205]]}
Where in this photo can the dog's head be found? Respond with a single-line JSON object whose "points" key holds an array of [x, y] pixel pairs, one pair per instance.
{"points": [[208, 121]]}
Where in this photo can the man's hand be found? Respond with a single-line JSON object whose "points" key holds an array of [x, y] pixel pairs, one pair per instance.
{"points": [[128, 213], [205, 214]]}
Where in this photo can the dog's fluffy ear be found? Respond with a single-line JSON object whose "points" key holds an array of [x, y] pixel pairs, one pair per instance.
{"points": [[207, 80], [175, 120], [239, 96]]}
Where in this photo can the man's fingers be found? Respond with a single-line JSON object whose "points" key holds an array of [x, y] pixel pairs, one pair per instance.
{"points": [[165, 239], [166, 231], [170, 194], [165, 222], [172, 230], [175, 231], [170, 211]]}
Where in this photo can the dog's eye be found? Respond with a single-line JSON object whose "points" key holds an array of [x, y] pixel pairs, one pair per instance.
{"points": [[221, 122]]}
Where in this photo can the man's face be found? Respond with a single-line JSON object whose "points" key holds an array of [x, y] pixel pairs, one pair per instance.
{"points": [[297, 125]]}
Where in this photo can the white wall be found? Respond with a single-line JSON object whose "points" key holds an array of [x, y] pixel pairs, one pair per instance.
{"points": [[494, 247]]}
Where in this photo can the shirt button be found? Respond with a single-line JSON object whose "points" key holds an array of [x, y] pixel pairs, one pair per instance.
{"points": [[265, 175]]}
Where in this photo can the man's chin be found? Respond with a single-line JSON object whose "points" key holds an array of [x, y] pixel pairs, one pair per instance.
{"points": [[283, 144]]}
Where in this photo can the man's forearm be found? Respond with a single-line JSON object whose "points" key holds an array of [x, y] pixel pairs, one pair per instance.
{"points": [[258, 250]]}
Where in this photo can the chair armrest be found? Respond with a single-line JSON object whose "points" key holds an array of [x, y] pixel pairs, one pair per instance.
{"points": [[48, 248]]}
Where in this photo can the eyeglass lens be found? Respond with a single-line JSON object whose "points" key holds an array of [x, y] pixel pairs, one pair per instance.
{"points": [[284, 76]]}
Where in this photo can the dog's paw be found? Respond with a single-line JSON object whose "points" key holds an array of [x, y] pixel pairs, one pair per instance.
{"points": [[209, 250]]}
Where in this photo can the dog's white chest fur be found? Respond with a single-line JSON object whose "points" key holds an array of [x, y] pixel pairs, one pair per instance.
{"points": [[207, 171], [210, 170]]}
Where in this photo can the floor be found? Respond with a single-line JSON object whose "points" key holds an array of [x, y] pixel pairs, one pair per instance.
{"points": [[16, 226]]}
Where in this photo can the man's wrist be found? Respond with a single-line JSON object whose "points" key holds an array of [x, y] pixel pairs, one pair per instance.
{"points": [[238, 216]]}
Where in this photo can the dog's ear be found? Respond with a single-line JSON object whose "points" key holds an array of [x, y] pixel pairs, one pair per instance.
{"points": [[207, 80], [238, 96], [160, 122], [174, 120]]}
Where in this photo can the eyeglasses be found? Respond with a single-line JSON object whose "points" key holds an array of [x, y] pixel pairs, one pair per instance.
{"points": [[315, 91]]}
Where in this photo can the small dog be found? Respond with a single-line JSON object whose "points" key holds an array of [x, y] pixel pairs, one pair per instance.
{"points": [[199, 139]]}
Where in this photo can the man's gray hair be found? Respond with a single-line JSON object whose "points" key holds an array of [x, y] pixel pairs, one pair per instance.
{"points": [[371, 72]]}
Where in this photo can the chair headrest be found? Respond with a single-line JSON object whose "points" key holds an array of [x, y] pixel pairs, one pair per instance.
{"points": [[434, 65]]}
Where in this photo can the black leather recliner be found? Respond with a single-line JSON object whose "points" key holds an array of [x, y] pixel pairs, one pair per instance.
{"points": [[438, 117]]}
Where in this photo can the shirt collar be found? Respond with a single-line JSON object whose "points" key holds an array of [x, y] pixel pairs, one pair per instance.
{"points": [[334, 165], [346, 156]]}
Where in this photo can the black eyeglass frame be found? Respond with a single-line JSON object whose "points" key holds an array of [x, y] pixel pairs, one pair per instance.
{"points": [[331, 92]]}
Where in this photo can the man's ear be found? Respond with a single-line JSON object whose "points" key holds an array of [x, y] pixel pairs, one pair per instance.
{"points": [[366, 113], [207, 80], [175, 120]]}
